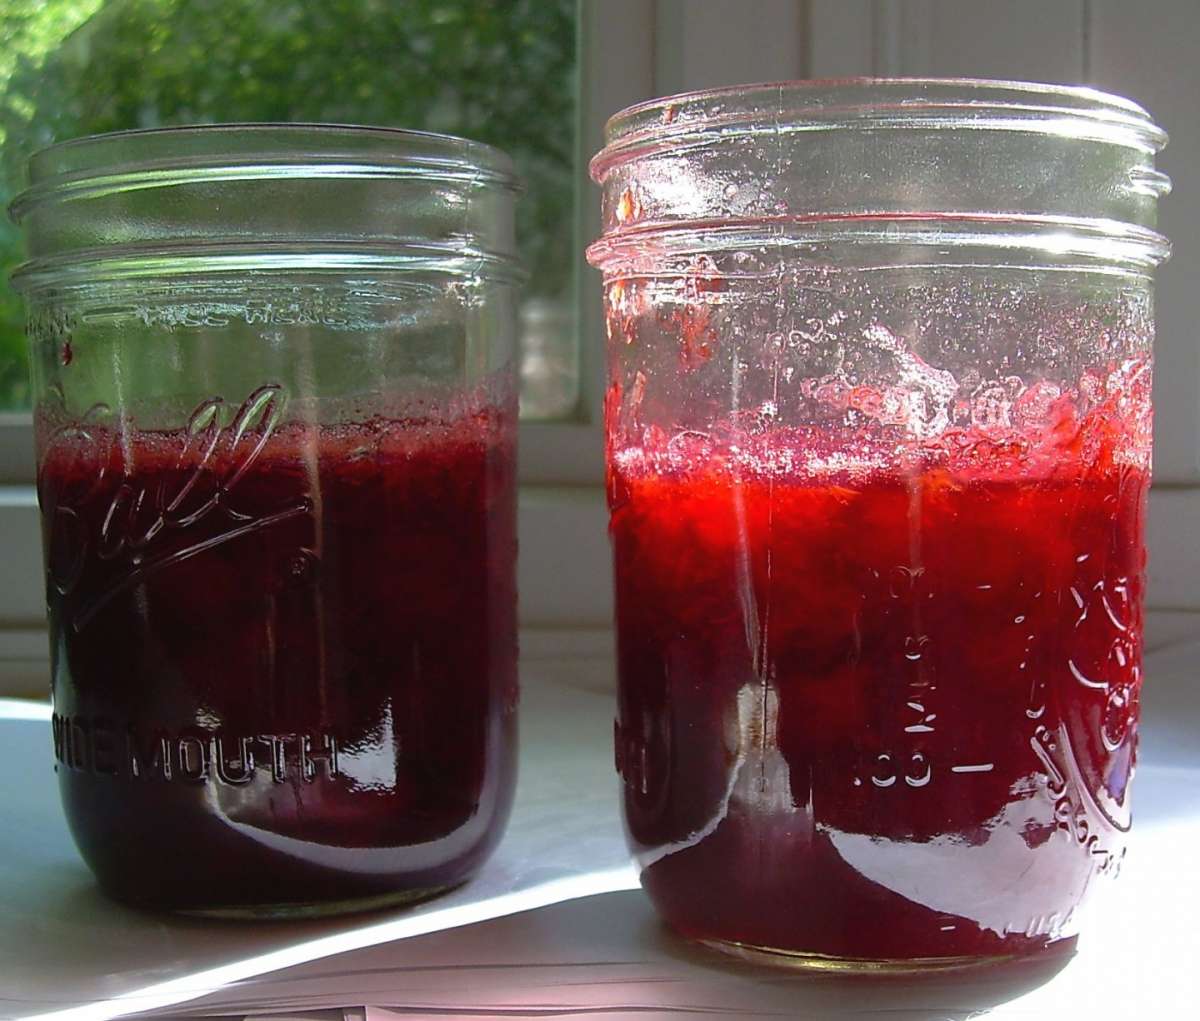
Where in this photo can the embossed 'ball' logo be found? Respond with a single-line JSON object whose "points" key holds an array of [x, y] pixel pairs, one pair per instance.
{"points": [[1102, 678], [132, 528]]}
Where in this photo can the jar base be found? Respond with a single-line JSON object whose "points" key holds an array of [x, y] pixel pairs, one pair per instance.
{"points": [[800, 960], [318, 909]]}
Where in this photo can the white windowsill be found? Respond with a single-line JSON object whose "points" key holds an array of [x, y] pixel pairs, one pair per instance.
{"points": [[607, 949], [564, 566]]}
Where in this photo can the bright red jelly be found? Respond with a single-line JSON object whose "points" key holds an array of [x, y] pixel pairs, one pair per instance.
{"points": [[874, 712], [284, 659]]}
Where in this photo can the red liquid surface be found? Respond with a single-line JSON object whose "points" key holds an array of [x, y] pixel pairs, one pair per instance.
{"points": [[878, 714], [284, 664]]}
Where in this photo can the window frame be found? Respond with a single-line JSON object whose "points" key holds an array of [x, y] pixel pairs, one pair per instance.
{"points": [[615, 68], [1106, 43], [629, 50], [17, 465], [561, 463]]}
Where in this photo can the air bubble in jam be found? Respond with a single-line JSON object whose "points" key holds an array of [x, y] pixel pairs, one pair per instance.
{"points": [[918, 607]]}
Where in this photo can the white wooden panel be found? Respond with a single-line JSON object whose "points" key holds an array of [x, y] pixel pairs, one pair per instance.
{"points": [[564, 566], [22, 598], [16, 450], [841, 37], [616, 69], [1150, 51], [1039, 40], [24, 663], [1173, 574], [1029, 40], [702, 45]]}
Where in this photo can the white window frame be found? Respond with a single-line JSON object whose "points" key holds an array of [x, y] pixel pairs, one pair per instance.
{"points": [[16, 448], [1145, 51], [635, 49], [564, 566]]}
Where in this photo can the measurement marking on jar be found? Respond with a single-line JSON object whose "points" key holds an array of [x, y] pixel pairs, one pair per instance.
{"points": [[979, 767], [1056, 783], [1087, 682]]}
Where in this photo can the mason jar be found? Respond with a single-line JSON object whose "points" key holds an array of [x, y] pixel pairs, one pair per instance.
{"points": [[275, 411], [878, 428]]}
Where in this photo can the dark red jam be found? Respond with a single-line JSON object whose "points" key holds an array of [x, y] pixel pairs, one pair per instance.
{"points": [[284, 659]]}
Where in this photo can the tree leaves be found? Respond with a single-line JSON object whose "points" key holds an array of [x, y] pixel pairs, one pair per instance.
{"points": [[501, 72]]}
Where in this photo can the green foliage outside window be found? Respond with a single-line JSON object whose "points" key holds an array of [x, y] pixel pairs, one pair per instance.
{"points": [[500, 71]]}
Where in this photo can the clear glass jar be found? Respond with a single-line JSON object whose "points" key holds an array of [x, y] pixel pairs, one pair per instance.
{"points": [[878, 430], [275, 425]]}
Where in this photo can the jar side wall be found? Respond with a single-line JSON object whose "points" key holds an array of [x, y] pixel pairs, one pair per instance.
{"points": [[341, 348], [280, 523], [879, 570], [913, 171]]}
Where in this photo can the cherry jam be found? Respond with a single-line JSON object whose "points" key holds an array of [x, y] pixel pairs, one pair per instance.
{"points": [[873, 709], [284, 657]]}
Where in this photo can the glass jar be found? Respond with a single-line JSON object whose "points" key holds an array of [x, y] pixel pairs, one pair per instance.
{"points": [[878, 429], [275, 424]]}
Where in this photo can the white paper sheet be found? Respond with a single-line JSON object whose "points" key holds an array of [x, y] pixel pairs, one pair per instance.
{"points": [[604, 954], [67, 952]]}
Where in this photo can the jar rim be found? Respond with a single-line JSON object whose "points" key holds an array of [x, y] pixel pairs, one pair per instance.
{"points": [[873, 103], [151, 157], [960, 240]]}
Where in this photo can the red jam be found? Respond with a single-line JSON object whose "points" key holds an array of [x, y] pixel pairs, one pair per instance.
{"points": [[284, 659], [878, 712]]}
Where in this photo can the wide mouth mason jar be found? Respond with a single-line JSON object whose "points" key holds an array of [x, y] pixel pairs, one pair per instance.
{"points": [[878, 433], [275, 423]]}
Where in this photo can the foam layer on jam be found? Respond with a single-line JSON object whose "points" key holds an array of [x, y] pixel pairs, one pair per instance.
{"points": [[1041, 432]]}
